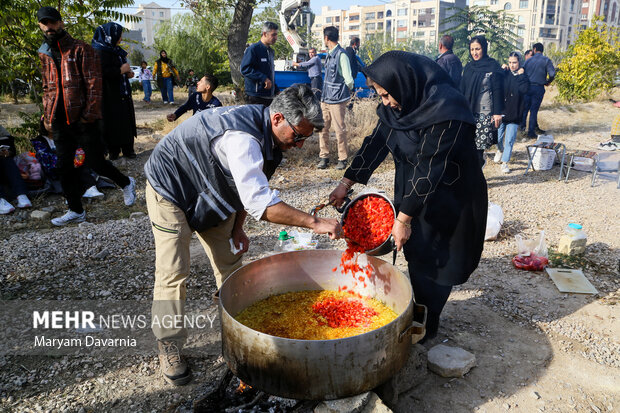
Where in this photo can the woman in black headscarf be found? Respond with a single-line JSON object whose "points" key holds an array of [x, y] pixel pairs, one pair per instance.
{"points": [[483, 86], [119, 118], [439, 190]]}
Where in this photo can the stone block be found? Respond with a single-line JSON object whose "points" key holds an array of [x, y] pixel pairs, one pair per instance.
{"points": [[40, 214], [449, 361]]}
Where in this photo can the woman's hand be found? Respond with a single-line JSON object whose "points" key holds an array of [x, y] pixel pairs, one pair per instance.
{"points": [[520, 71], [336, 198], [125, 68], [497, 120], [401, 231]]}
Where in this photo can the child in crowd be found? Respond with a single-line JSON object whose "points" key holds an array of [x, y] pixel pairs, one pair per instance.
{"points": [[145, 77], [201, 100], [191, 82], [10, 176]]}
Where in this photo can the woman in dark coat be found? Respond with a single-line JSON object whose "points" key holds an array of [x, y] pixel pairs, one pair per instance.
{"points": [[119, 119], [439, 190], [483, 86]]}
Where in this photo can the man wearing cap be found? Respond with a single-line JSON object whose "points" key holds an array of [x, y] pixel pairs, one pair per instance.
{"points": [[72, 98]]}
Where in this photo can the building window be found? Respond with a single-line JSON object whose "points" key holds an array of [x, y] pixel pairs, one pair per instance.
{"points": [[432, 23], [153, 13], [584, 17], [507, 6], [356, 27], [523, 4], [521, 20], [402, 12], [401, 35], [337, 19], [370, 26], [161, 14], [354, 18], [493, 2], [401, 23], [370, 16], [380, 26], [388, 13], [520, 32], [379, 15], [328, 20], [421, 23], [432, 11]]}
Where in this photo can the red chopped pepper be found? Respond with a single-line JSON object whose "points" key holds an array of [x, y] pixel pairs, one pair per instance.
{"points": [[339, 312]]}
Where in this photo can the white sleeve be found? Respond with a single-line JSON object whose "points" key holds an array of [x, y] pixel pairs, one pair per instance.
{"points": [[244, 159]]}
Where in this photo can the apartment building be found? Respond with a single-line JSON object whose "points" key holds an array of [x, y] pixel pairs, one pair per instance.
{"points": [[545, 21], [609, 9], [402, 20], [150, 16]]}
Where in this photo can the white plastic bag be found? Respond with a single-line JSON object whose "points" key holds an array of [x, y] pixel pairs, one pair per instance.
{"points": [[495, 219], [526, 247]]}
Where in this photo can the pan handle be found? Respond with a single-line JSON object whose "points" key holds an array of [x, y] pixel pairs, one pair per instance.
{"points": [[346, 202], [418, 326]]}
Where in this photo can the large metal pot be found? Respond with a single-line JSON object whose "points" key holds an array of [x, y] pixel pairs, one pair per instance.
{"points": [[316, 369]]}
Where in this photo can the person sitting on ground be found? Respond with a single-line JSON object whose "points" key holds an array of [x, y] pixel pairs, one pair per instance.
{"points": [[515, 88], [191, 82], [614, 143], [10, 176], [202, 99]]}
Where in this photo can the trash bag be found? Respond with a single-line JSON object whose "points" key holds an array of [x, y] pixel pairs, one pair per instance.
{"points": [[495, 219]]}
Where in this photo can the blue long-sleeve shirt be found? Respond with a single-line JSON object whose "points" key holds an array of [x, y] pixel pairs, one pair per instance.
{"points": [[537, 68], [195, 103], [313, 65]]}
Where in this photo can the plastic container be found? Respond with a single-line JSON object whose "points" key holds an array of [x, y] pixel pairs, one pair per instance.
{"points": [[284, 243], [574, 240]]}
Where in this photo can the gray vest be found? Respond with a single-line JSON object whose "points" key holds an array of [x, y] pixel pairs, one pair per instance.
{"points": [[183, 169], [334, 88]]}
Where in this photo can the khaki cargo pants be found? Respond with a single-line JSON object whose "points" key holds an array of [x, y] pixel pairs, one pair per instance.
{"points": [[172, 238], [333, 115]]}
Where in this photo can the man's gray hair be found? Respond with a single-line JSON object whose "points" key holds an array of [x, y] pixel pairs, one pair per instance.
{"points": [[269, 26], [296, 103]]}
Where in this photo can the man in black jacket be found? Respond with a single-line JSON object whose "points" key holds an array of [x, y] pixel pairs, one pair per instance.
{"points": [[257, 67], [448, 60], [206, 176]]}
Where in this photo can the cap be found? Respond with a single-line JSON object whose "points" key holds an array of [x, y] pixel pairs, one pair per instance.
{"points": [[49, 13]]}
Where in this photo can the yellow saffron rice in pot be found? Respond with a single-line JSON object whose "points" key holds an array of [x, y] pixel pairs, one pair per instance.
{"points": [[316, 315]]}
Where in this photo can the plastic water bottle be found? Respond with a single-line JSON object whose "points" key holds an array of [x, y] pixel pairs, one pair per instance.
{"points": [[284, 243], [574, 240]]}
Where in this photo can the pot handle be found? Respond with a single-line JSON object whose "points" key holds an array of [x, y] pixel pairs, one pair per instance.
{"points": [[346, 202], [418, 326]]}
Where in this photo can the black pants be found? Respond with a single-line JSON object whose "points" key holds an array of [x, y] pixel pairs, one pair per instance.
{"points": [[10, 176], [316, 83], [257, 100], [433, 296], [86, 136]]}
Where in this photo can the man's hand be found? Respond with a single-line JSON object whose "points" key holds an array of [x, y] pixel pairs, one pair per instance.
{"points": [[240, 240], [171, 117], [295, 64], [130, 74], [328, 226], [125, 68], [497, 120], [268, 83]]}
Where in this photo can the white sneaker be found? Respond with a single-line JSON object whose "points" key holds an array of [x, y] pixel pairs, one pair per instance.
{"points": [[5, 207], [23, 201], [165, 102], [129, 192], [69, 217], [505, 169], [92, 192], [498, 157]]}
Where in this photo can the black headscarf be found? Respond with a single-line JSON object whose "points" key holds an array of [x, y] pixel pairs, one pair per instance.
{"points": [[422, 88], [474, 71], [163, 59], [106, 38]]}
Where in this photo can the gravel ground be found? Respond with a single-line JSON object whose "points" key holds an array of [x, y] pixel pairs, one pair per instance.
{"points": [[537, 349]]}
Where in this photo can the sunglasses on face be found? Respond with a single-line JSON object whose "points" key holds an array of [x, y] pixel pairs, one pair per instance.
{"points": [[298, 136]]}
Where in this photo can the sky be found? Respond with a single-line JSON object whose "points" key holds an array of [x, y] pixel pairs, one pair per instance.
{"points": [[315, 5]]}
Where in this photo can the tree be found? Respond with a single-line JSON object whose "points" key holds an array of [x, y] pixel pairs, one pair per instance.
{"points": [[135, 56], [498, 28], [186, 34], [377, 44], [20, 36], [590, 64]]}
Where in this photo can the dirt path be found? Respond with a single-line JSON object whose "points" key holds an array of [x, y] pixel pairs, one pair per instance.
{"points": [[537, 349]]}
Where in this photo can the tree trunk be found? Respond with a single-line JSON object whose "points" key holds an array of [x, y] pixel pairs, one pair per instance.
{"points": [[237, 38]]}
